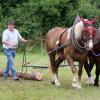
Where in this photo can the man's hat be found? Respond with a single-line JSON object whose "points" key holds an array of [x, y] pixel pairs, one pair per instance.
{"points": [[11, 22]]}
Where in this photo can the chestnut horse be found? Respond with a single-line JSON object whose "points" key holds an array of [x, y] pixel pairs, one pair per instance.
{"points": [[70, 44], [94, 58]]}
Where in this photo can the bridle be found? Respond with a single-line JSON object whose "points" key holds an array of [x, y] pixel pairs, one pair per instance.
{"points": [[86, 34]]}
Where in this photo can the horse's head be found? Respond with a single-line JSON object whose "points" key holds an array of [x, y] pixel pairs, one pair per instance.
{"points": [[88, 32]]}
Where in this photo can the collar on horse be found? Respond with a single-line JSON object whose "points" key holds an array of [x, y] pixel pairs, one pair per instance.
{"points": [[71, 41], [75, 43]]}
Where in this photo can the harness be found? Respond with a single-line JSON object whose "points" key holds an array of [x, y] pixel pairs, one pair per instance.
{"points": [[72, 41], [59, 47]]}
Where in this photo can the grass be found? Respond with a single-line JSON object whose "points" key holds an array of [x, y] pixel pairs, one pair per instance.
{"points": [[44, 90]]}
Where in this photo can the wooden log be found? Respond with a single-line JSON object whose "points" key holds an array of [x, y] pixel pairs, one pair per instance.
{"points": [[29, 76]]}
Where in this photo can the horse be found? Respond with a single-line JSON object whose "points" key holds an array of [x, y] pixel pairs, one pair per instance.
{"points": [[71, 44], [94, 58]]}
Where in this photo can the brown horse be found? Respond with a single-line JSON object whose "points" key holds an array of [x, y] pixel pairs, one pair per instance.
{"points": [[72, 45], [94, 58]]}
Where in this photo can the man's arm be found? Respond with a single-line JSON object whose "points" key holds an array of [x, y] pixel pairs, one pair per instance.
{"points": [[23, 40]]}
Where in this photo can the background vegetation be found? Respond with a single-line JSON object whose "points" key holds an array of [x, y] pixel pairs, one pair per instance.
{"points": [[35, 17]]}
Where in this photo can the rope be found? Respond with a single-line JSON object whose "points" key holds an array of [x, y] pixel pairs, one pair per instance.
{"points": [[95, 53], [59, 48]]}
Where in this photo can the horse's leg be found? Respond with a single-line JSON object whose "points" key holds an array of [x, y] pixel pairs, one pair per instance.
{"points": [[74, 71], [88, 68], [58, 62], [54, 68], [91, 66], [80, 73], [97, 72]]}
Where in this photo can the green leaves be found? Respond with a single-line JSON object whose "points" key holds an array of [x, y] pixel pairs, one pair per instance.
{"points": [[34, 18]]}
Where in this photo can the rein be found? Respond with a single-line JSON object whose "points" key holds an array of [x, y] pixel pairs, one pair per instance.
{"points": [[95, 53], [59, 48]]}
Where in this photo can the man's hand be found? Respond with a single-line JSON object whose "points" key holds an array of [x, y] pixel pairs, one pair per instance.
{"points": [[99, 17], [24, 40]]}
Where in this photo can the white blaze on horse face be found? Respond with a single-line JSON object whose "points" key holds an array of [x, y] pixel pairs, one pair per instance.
{"points": [[90, 44]]}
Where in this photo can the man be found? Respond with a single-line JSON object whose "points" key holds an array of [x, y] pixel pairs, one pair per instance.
{"points": [[10, 40]]}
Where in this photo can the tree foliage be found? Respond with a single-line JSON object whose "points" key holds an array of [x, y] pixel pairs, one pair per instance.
{"points": [[34, 18]]}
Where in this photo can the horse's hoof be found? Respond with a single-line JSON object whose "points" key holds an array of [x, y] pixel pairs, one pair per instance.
{"points": [[74, 85], [79, 87], [53, 81], [57, 84], [96, 84], [90, 81]]}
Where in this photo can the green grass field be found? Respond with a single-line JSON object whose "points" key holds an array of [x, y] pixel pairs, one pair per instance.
{"points": [[44, 90]]}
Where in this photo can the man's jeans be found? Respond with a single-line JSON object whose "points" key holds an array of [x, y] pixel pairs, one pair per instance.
{"points": [[10, 63]]}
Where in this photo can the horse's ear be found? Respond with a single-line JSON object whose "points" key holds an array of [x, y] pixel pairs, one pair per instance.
{"points": [[89, 21], [94, 20], [77, 19]]}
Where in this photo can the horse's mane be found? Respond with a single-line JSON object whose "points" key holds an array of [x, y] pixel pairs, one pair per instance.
{"points": [[78, 29]]}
